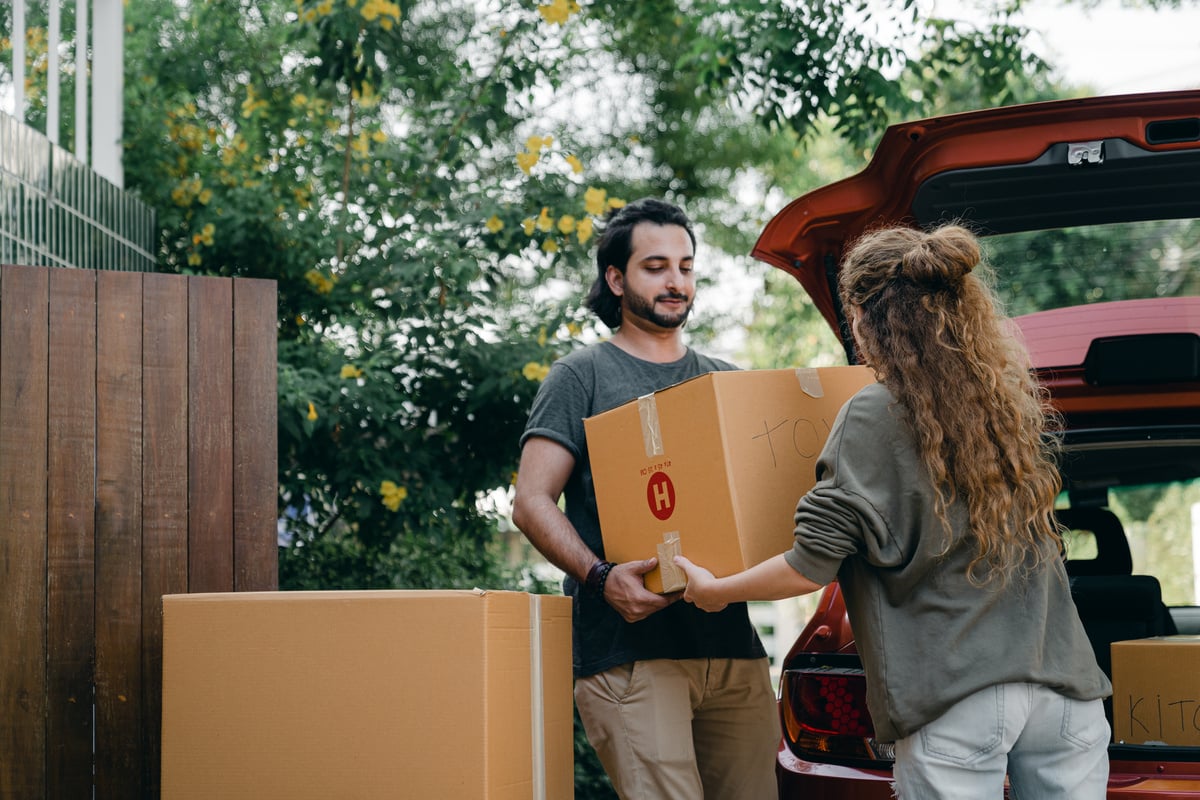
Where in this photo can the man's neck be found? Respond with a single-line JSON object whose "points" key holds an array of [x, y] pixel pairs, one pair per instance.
{"points": [[658, 347]]}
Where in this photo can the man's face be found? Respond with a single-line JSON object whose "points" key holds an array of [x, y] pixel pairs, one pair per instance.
{"points": [[658, 286]]}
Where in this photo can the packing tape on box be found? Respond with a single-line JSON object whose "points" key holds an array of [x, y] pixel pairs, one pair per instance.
{"points": [[810, 382], [651, 433], [537, 706], [674, 579]]}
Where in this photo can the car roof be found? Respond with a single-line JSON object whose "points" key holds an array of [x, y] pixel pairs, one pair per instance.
{"points": [[1002, 170]]}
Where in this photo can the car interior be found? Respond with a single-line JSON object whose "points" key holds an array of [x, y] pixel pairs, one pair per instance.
{"points": [[1117, 598]]}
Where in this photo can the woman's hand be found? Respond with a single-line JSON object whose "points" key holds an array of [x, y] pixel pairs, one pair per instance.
{"points": [[701, 588]]}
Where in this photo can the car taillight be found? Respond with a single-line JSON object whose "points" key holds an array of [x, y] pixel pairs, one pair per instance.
{"points": [[825, 717]]}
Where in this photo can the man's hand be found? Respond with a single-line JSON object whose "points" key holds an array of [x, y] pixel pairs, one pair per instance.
{"points": [[701, 586], [626, 591]]}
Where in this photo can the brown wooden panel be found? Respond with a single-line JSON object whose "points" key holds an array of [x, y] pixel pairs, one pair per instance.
{"points": [[210, 434], [119, 535], [71, 532], [164, 487], [255, 436], [23, 392]]}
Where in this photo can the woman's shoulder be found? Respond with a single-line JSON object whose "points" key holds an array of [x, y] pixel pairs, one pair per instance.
{"points": [[871, 397], [873, 406]]}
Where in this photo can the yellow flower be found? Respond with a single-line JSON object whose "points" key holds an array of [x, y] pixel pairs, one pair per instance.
{"points": [[527, 225], [205, 196], [526, 161], [533, 371], [576, 164], [594, 200], [367, 96], [351, 371], [320, 282], [379, 136], [194, 259], [566, 223], [574, 329], [383, 10], [544, 221], [550, 246], [541, 337], [494, 224], [206, 234], [312, 411], [534, 144], [614, 202], [583, 231], [392, 495], [557, 12], [252, 103]]}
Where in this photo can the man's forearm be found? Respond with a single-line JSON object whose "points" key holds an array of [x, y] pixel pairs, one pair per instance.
{"points": [[553, 535]]}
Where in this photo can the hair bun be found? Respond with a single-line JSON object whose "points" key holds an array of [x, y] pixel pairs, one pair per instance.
{"points": [[941, 258]]}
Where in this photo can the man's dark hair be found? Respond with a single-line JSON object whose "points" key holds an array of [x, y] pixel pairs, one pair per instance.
{"points": [[615, 245]]}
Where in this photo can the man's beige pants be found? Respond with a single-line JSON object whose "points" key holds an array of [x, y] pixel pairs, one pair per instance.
{"points": [[684, 730]]}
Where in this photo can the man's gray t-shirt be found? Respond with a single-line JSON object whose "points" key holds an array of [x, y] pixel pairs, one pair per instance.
{"points": [[583, 384]]}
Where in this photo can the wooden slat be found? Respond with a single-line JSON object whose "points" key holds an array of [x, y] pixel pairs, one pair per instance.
{"points": [[23, 391], [255, 437], [71, 532], [137, 435], [119, 535], [164, 488], [210, 435]]}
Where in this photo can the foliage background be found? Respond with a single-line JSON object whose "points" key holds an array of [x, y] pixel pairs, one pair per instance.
{"points": [[422, 180]]}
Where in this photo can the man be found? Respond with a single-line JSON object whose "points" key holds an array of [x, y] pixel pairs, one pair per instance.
{"points": [[677, 703]]}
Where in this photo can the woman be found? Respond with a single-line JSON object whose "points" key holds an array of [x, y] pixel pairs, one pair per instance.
{"points": [[933, 508]]}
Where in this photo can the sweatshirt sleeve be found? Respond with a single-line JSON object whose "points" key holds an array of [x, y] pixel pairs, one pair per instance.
{"points": [[859, 496]]}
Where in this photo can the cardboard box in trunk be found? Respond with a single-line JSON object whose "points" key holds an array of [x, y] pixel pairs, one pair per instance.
{"points": [[367, 694], [717, 462], [1156, 691]]}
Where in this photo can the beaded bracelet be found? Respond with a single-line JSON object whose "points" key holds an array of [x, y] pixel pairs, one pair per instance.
{"points": [[597, 577]]}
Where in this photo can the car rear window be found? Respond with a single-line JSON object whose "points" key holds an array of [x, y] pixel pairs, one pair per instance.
{"points": [[1061, 267]]}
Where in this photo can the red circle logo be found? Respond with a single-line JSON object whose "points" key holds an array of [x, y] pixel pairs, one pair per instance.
{"points": [[660, 495]]}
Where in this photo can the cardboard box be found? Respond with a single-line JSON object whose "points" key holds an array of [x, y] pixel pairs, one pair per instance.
{"points": [[1156, 691], [717, 462], [367, 694]]}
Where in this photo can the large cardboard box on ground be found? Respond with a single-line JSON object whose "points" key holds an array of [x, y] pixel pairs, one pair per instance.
{"points": [[718, 462], [1156, 690], [367, 694]]}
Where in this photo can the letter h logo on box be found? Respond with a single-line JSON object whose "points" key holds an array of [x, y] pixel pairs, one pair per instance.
{"points": [[660, 495]]}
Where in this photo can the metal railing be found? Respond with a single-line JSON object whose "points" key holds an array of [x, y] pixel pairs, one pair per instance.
{"points": [[57, 211]]}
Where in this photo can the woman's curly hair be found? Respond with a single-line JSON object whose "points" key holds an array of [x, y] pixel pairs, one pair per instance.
{"points": [[932, 330]]}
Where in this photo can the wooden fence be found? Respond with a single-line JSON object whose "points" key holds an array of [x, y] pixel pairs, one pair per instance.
{"points": [[137, 459]]}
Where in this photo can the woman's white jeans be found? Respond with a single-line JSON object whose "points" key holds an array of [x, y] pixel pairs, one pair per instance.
{"points": [[1050, 746]]}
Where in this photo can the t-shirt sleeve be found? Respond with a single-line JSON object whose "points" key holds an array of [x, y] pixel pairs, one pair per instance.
{"points": [[848, 512], [559, 409]]}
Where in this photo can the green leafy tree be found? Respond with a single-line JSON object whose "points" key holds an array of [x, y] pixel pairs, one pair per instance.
{"points": [[422, 181]]}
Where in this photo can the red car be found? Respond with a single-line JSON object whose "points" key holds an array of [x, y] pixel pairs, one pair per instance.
{"points": [[1090, 213]]}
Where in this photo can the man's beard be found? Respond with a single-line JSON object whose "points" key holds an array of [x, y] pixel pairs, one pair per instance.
{"points": [[640, 307]]}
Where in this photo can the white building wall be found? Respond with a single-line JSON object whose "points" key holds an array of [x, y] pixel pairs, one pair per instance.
{"points": [[105, 90]]}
